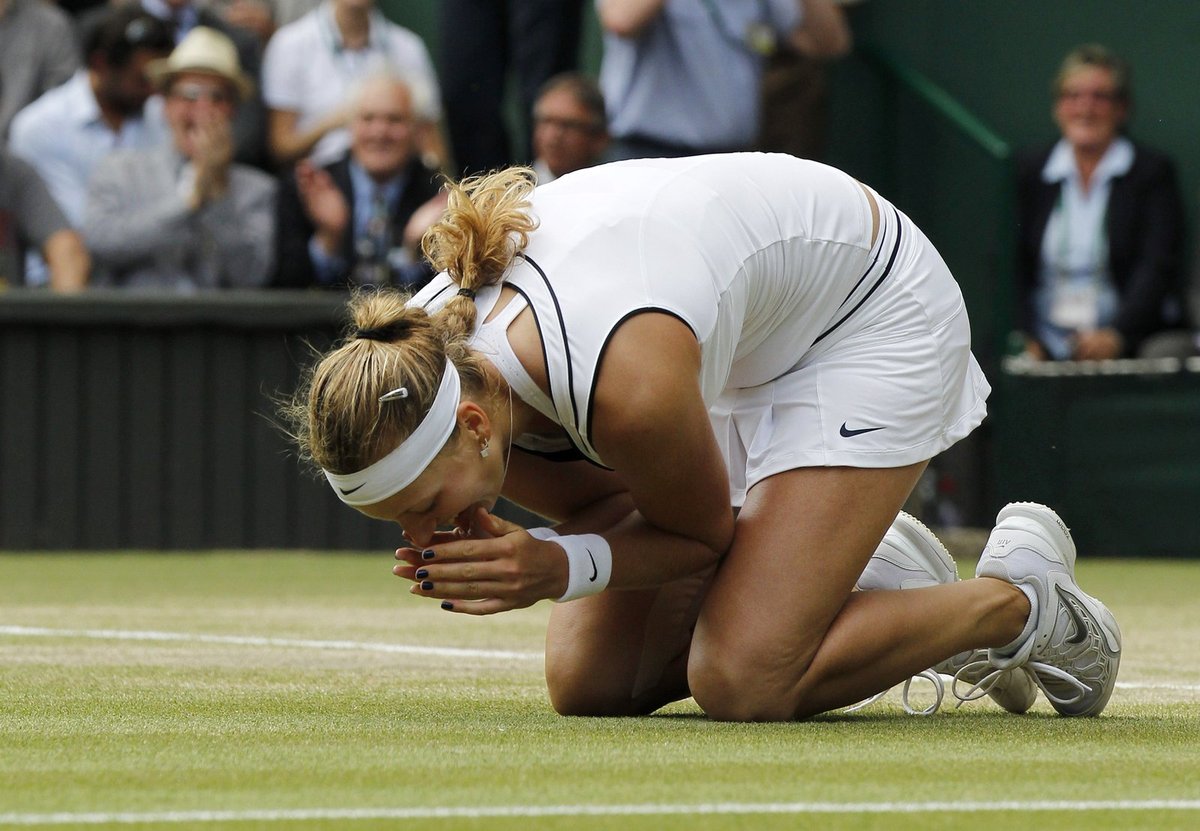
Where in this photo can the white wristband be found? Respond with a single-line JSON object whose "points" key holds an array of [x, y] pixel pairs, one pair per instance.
{"points": [[589, 562]]}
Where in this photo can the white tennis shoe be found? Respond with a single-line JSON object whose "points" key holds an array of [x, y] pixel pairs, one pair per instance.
{"points": [[910, 557], [1072, 646]]}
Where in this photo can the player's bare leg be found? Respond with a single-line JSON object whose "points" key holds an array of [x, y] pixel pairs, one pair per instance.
{"points": [[781, 635]]}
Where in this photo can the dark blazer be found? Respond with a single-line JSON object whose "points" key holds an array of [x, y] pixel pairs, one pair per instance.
{"points": [[1145, 228], [295, 228]]}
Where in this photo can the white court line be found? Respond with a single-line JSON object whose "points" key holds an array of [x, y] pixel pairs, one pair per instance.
{"points": [[532, 811], [374, 646], [250, 640]]}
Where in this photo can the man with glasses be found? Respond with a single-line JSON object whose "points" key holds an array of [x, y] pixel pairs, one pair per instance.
{"points": [[569, 128], [67, 131], [185, 216]]}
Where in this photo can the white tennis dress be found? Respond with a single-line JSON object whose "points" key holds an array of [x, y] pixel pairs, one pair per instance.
{"points": [[818, 347]]}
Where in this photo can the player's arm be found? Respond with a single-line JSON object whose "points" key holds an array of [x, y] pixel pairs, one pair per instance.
{"points": [[578, 492], [651, 424], [662, 514]]}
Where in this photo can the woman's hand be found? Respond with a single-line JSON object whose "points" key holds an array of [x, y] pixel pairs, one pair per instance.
{"points": [[1099, 345], [494, 567]]}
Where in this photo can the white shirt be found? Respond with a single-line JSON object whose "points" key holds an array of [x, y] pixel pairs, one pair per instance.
{"points": [[306, 70], [64, 137]]}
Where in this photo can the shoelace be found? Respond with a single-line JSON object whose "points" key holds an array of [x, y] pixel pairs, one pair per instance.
{"points": [[980, 687], [1038, 669], [939, 689], [989, 680]]}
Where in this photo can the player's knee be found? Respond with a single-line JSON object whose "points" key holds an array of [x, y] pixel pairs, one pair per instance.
{"points": [[580, 691], [740, 688]]}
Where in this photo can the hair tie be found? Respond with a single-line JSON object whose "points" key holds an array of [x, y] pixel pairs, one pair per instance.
{"points": [[382, 333], [467, 293]]}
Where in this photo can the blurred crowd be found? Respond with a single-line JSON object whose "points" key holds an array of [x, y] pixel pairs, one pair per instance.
{"points": [[186, 145]]}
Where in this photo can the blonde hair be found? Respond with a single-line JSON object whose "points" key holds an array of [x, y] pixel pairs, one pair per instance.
{"points": [[1101, 57], [335, 417]]}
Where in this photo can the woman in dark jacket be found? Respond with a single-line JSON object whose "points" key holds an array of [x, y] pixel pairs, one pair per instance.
{"points": [[1101, 224]]}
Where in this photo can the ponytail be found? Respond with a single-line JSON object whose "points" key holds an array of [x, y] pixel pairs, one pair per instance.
{"points": [[485, 226]]}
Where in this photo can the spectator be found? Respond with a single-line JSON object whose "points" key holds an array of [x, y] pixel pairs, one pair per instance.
{"points": [[360, 220], [37, 53], [1101, 223], [309, 69], [30, 218], [65, 133], [185, 216], [180, 17], [1182, 342], [569, 126], [795, 100], [482, 40], [262, 17], [682, 77]]}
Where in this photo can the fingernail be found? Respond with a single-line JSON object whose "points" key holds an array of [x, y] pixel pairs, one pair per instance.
{"points": [[427, 586], [447, 605], [422, 573], [427, 554]]}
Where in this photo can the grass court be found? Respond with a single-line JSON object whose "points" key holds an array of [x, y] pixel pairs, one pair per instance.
{"points": [[294, 690]]}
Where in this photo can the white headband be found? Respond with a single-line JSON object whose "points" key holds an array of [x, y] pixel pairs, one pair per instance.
{"points": [[400, 468]]}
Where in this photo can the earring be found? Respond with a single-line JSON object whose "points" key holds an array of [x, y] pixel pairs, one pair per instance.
{"points": [[483, 449]]}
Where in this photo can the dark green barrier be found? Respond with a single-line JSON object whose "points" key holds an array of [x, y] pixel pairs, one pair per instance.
{"points": [[145, 421], [1115, 448]]}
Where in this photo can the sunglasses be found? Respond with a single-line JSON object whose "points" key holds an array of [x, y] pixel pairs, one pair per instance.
{"points": [[194, 92]]}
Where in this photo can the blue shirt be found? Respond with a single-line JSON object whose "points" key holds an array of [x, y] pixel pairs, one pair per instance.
{"points": [[63, 135], [691, 76]]}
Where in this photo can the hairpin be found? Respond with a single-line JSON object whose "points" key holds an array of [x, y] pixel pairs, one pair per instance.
{"points": [[398, 392]]}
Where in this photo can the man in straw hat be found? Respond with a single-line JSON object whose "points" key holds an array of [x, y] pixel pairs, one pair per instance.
{"points": [[186, 216]]}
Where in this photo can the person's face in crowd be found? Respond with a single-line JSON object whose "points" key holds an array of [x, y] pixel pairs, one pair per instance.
{"points": [[197, 103], [381, 131], [1088, 111], [125, 89], [565, 136]]}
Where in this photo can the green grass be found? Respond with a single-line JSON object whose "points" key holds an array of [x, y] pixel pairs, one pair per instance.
{"points": [[106, 725]]}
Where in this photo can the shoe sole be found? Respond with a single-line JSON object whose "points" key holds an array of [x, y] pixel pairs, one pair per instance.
{"points": [[926, 548], [1042, 521]]}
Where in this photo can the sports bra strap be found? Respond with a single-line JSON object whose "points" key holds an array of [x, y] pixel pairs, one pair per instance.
{"points": [[491, 338]]}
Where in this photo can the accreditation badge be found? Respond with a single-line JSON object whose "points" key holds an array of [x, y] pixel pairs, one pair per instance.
{"points": [[1076, 306], [761, 39]]}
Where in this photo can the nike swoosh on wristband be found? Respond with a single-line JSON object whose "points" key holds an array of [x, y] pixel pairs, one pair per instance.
{"points": [[352, 490], [595, 571], [848, 433]]}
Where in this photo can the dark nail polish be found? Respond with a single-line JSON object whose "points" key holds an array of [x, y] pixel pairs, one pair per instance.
{"points": [[426, 586], [422, 573], [427, 554], [447, 605]]}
